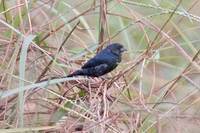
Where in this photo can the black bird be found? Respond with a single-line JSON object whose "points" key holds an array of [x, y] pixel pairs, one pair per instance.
{"points": [[104, 62]]}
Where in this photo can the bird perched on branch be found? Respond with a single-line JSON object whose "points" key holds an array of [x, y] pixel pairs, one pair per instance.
{"points": [[104, 62]]}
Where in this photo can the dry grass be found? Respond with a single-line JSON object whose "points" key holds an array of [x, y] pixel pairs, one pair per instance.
{"points": [[154, 89]]}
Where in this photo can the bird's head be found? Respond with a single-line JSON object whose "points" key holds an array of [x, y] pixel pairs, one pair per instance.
{"points": [[116, 48]]}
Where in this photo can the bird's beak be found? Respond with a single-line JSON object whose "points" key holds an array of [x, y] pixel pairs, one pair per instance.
{"points": [[123, 49]]}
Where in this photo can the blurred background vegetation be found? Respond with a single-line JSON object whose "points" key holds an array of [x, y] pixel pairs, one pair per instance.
{"points": [[154, 89]]}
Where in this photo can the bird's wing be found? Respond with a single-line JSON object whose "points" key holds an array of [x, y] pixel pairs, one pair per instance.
{"points": [[92, 63], [101, 69], [102, 57]]}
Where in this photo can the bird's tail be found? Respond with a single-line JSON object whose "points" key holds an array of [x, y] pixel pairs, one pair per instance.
{"points": [[76, 73]]}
